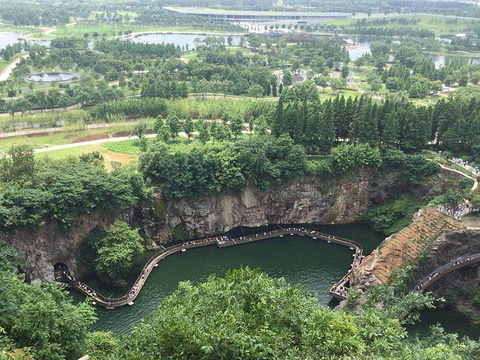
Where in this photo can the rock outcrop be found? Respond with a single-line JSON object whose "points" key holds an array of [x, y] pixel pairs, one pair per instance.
{"points": [[303, 200], [404, 248]]}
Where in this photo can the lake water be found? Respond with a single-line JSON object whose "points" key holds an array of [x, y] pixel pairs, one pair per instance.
{"points": [[179, 39], [361, 46], [50, 77], [301, 260], [450, 320], [9, 38], [440, 59]]}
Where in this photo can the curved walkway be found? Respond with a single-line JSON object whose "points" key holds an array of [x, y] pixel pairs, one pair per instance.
{"points": [[92, 142], [475, 181], [439, 273], [338, 290], [7, 70]]}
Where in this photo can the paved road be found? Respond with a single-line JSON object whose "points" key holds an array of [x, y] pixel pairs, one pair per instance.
{"points": [[475, 182], [7, 71], [103, 141], [93, 142]]}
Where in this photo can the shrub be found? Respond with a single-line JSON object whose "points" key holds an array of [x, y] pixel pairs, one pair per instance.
{"points": [[392, 216], [347, 157]]}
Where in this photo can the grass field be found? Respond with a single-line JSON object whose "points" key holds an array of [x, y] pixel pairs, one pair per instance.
{"points": [[438, 24], [129, 147], [20, 29], [38, 142], [330, 94], [110, 157], [70, 136], [79, 29], [61, 154]]}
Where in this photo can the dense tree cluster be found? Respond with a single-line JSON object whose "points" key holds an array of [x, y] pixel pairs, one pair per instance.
{"points": [[164, 89], [38, 321], [417, 74], [116, 48], [208, 170], [34, 13], [452, 124], [317, 125], [114, 252], [34, 191], [132, 108], [10, 51], [264, 318]]}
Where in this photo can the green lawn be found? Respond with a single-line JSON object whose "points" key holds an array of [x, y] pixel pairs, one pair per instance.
{"points": [[38, 142], [79, 29], [61, 154], [438, 24], [130, 147], [20, 29], [69, 136], [330, 94]]}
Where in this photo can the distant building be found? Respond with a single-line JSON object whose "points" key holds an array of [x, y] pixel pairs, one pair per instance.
{"points": [[257, 16]]}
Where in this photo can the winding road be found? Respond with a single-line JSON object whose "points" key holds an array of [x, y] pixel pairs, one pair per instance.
{"points": [[475, 181], [7, 71], [94, 142]]}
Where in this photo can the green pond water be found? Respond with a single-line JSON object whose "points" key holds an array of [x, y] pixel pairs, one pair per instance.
{"points": [[300, 260]]}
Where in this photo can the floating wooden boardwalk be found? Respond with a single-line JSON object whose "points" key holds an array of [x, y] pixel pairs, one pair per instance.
{"points": [[338, 290]]}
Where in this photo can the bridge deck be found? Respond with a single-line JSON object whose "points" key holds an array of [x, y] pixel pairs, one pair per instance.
{"points": [[338, 290], [443, 270]]}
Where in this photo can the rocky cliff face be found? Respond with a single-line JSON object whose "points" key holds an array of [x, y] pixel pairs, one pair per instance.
{"points": [[49, 245], [304, 200], [45, 247]]}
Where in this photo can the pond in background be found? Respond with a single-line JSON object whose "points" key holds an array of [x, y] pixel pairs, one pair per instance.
{"points": [[52, 76], [180, 39], [440, 59], [357, 47], [9, 38]]}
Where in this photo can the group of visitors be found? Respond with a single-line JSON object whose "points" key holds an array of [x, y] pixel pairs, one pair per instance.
{"points": [[467, 165], [441, 270], [459, 211], [85, 288]]}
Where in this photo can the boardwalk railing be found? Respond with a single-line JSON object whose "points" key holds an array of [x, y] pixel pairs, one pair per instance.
{"points": [[443, 270], [338, 290]]}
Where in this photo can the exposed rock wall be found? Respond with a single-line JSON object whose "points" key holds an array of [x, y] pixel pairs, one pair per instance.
{"points": [[45, 247], [304, 200]]}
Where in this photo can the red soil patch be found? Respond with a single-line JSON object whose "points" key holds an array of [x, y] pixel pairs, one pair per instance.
{"points": [[90, 138], [43, 134], [405, 247]]}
